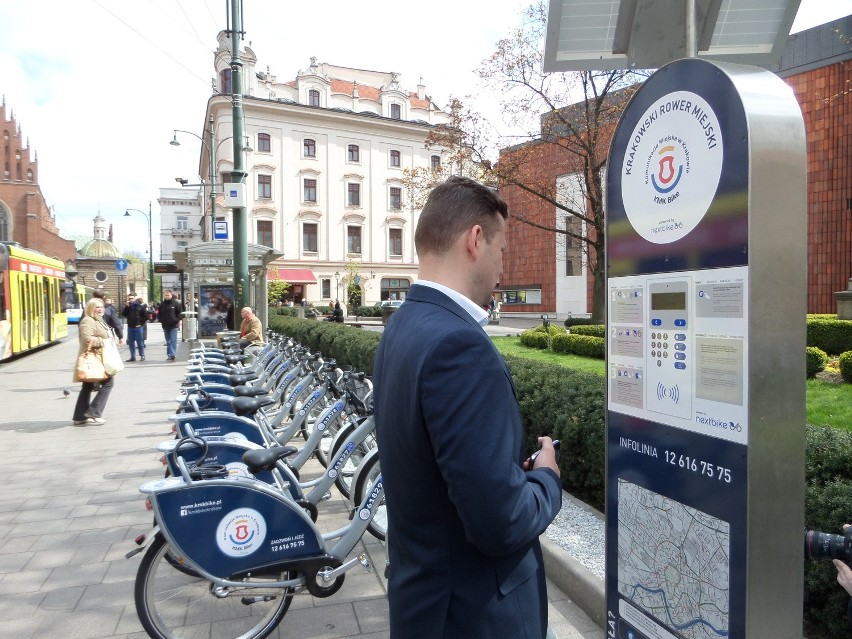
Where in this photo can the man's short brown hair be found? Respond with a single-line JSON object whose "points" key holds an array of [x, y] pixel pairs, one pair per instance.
{"points": [[454, 206]]}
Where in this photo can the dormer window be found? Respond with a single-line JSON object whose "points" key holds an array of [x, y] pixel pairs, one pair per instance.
{"points": [[313, 98], [395, 112]]}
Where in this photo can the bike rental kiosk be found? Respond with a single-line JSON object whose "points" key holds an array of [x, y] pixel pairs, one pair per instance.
{"points": [[706, 253]]}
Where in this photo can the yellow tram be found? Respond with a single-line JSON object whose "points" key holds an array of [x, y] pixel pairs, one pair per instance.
{"points": [[31, 310]]}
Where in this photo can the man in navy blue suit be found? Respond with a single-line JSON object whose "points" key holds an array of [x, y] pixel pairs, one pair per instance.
{"points": [[464, 512]]}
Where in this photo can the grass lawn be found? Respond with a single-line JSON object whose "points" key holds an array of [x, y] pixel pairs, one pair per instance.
{"points": [[826, 403]]}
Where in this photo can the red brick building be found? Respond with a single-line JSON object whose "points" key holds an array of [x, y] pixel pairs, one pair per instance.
{"points": [[817, 64], [24, 215]]}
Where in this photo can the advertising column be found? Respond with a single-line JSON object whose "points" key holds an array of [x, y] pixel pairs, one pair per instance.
{"points": [[705, 393]]}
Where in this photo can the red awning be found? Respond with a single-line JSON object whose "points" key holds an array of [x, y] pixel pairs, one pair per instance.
{"points": [[292, 275]]}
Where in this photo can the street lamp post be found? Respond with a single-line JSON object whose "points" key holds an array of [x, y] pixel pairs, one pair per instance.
{"points": [[150, 249], [211, 166], [337, 285], [212, 147]]}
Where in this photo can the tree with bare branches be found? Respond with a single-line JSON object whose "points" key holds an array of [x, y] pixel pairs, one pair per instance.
{"points": [[552, 163]]}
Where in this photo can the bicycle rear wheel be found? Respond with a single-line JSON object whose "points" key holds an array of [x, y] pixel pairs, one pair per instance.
{"points": [[378, 525], [175, 603]]}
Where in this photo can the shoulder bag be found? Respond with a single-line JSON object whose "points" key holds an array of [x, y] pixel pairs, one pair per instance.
{"points": [[89, 368], [110, 356]]}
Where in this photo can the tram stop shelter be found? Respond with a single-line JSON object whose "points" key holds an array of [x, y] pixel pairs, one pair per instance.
{"points": [[209, 269]]}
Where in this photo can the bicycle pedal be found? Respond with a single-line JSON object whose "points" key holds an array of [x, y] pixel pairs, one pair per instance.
{"points": [[365, 562]]}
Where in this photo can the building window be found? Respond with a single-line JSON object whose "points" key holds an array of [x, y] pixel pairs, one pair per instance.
{"points": [[395, 242], [435, 161], [326, 288], [353, 153], [310, 148], [182, 244], [395, 158], [353, 194], [394, 289], [264, 232], [313, 97], [225, 82], [264, 143], [353, 239], [396, 197], [310, 190], [182, 223], [396, 112], [309, 237], [573, 246], [264, 186]]}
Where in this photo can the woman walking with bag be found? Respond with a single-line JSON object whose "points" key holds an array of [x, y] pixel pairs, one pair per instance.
{"points": [[93, 332]]}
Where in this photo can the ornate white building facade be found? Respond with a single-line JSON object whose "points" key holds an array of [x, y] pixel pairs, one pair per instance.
{"points": [[326, 173]]}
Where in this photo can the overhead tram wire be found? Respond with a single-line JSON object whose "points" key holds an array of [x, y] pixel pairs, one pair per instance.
{"points": [[206, 81]]}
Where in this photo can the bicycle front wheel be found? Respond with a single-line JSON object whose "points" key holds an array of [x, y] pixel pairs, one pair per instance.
{"points": [[175, 603]]}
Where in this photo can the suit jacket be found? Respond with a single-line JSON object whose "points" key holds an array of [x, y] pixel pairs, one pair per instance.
{"points": [[464, 517]]}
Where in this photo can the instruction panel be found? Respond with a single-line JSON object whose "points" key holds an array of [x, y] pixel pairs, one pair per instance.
{"points": [[677, 350]]}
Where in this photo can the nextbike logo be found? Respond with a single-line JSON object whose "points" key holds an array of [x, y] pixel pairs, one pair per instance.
{"points": [[672, 166], [241, 532], [721, 423]]}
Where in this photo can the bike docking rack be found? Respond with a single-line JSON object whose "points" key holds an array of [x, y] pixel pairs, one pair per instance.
{"points": [[235, 535]]}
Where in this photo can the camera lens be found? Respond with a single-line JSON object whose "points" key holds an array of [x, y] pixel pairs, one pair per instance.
{"points": [[820, 545]]}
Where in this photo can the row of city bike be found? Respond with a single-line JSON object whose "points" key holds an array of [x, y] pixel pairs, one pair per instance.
{"points": [[235, 536]]}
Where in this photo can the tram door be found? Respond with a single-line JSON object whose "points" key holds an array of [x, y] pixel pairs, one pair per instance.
{"points": [[46, 311]]}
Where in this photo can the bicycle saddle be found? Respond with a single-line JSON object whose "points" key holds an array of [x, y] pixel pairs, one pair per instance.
{"points": [[248, 406], [261, 459], [236, 379], [249, 391]]}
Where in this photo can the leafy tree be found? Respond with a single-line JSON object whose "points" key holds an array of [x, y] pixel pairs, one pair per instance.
{"points": [[276, 291], [564, 119]]}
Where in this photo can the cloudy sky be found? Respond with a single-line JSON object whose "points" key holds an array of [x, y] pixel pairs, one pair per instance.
{"points": [[98, 86]]}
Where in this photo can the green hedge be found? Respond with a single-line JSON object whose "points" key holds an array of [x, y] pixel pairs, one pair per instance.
{"points": [[346, 344], [583, 345], [834, 336], [845, 363], [571, 322], [815, 361], [567, 405], [595, 330]]}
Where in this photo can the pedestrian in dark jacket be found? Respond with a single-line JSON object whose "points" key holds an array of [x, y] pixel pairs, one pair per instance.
{"points": [[337, 313], [169, 315], [137, 317]]}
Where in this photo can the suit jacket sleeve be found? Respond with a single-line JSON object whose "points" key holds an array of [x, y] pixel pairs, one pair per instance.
{"points": [[473, 421]]}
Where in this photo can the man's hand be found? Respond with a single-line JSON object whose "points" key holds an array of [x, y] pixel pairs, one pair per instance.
{"points": [[546, 457]]}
